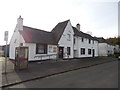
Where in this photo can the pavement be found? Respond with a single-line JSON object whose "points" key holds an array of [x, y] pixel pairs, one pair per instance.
{"points": [[37, 70]]}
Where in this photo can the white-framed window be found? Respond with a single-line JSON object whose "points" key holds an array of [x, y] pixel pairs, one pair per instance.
{"points": [[74, 40], [69, 37], [54, 49], [82, 51], [82, 39], [89, 51], [41, 49], [89, 41], [68, 50], [93, 41], [50, 49]]}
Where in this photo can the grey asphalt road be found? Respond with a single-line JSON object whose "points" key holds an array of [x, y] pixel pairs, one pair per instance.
{"points": [[99, 76]]}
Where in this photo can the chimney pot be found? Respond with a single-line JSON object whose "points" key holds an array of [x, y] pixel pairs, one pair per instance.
{"points": [[78, 26]]}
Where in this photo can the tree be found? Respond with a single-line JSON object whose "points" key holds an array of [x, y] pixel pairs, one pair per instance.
{"points": [[115, 40]]}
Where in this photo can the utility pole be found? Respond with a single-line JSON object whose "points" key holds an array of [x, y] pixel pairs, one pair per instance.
{"points": [[6, 39]]}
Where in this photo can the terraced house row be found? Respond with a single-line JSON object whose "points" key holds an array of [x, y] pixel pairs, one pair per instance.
{"points": [[64, 41]]}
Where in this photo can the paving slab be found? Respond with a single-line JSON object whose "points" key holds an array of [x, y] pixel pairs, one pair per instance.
{"points": [[47, 68]]}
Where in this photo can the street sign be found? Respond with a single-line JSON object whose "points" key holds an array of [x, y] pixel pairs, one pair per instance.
{"points": [[6, 36]]}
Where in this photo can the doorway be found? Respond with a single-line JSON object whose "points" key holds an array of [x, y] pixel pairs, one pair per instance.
{"points": [[61, 49]]}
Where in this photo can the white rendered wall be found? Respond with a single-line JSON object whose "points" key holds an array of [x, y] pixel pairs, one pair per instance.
{"points": [[103, 49], [110, 50], [15, 42], [64, 42], [117, 49], [33, 56], [16, 38], [85, 44]]}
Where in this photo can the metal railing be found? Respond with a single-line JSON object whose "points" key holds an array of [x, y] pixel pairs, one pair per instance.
{"points": [[50, 56]]}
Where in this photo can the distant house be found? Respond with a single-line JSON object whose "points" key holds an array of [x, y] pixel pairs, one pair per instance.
{"points": [[105, 47], [64, 41], [3, 51], [116, 49]]}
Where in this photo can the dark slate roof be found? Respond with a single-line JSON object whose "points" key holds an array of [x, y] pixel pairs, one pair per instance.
{"points": [[32, 35], [81, 34], [102, 40], [59, 29]]}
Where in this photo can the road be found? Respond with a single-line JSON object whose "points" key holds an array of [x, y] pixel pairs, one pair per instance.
{"points": [[99, 76]]}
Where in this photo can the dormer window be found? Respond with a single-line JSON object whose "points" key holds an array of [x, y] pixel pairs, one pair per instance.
{"points": [[68, 37]]}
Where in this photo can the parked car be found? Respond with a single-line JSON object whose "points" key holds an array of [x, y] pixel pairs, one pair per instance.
{"points": [[118, 57]]}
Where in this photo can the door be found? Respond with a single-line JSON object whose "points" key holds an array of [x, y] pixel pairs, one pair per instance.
{"points": [[61, 52], [93, 52]]}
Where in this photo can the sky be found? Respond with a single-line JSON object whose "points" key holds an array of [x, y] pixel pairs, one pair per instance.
{"points": [[100, 17]]}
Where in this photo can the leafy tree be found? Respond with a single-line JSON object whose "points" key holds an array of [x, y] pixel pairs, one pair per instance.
{"points": [[114, 41]]}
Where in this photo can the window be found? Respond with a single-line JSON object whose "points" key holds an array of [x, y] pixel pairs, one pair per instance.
{"points": [[50, 49], [82, 39], [74, 40], [82, 51], [89, 41], [89, 51], [41, 49], [68, 50], [68, 37], [93, 41], [54, 49]]}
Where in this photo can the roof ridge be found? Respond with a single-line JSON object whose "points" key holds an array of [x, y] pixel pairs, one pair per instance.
{"points": [[36, 29], [65, 21], [83, 32], [59, 29]]}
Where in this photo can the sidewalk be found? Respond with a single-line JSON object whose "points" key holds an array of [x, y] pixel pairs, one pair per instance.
{"points": [[47, 68]]}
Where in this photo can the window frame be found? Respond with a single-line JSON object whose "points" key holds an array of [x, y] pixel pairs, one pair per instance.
{"points": [[68, 37], [89, 41], [74, 41], [82, 39], [44, 48], [93, 41], [82, 51], [89, 51], [68, 50]]}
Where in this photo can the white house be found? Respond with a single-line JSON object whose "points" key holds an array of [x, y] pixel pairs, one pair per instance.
{"points": [[105, 48], [64, 41], [84, 44], [41, 44], [117, 49]]}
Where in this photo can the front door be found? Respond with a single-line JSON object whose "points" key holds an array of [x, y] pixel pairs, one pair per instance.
{"points": [[93, 52], [61, 52]]}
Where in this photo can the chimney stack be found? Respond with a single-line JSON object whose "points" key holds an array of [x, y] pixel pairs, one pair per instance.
{"points": [[78, 26], [20, 23]]}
